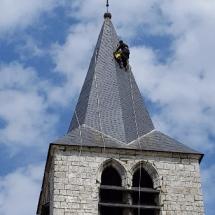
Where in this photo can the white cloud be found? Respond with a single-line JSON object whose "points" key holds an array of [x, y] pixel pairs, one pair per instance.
{"points": [[19, 190], [72, 60], [186, 109], [183, 85], [19, 14], [30, 49], [24, 107], [128, 16]]}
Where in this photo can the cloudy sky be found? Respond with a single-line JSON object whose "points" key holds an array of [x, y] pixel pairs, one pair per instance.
{"points": [[45, 49]]}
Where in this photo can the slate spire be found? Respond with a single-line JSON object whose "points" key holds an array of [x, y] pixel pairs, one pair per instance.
{"points": [[110, 101], [110, 112]]}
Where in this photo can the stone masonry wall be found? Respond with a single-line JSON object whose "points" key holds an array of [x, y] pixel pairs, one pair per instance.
{"points": [[77, 180], [47, 189]]}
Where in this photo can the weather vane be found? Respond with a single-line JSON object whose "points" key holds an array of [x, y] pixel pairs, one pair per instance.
{"points": [[107, 5]]}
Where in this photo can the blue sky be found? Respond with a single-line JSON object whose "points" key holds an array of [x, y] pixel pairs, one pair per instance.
{"points": [[45, 49]]}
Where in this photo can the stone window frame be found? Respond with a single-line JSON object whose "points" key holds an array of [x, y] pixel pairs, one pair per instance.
{"points": [[150, 169], [127, 177], [117, 166]]}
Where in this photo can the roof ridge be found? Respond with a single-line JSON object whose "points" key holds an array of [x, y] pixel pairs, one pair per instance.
{"points": [[141, 137], [95, 130]]}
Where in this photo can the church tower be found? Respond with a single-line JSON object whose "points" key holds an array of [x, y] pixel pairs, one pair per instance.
{"points": [[113, 161]]}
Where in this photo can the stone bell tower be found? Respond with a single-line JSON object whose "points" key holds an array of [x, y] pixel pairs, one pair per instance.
{"points": [[113, 161]]}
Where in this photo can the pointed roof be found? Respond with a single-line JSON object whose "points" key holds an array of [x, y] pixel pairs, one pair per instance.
{"points": [[110, 111], [110, 100]]}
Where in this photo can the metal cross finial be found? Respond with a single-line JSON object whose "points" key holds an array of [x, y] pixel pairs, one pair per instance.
{"points": [[107, 5]]}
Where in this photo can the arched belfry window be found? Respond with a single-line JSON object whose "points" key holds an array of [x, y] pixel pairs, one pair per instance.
{"points": [[144, 197], [111, 194], [115, 198]]}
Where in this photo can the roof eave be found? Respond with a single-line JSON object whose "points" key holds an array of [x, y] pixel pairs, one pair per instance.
{"points": [[201, 155]]}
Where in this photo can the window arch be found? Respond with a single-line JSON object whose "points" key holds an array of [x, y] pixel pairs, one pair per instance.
{"points": [[117, 167], [116, 198], [145, 197], [111, 191]]}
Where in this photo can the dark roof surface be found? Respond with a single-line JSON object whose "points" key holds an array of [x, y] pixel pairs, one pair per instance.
{"points": [[110, 100], [110, 111], [153, 141]]}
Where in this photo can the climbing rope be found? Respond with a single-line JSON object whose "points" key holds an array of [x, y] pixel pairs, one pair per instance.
{"points": [[135, 115], [99, 112], [139, 194], [98, 102], [137, 131], [80, 133]]}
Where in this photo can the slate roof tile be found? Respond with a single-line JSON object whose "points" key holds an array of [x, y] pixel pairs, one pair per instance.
{"points": [[153, 141], [110, 111], [110, 97]]}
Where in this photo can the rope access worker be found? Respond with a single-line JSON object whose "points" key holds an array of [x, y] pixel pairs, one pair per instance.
{"points": [[122, 54]]}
